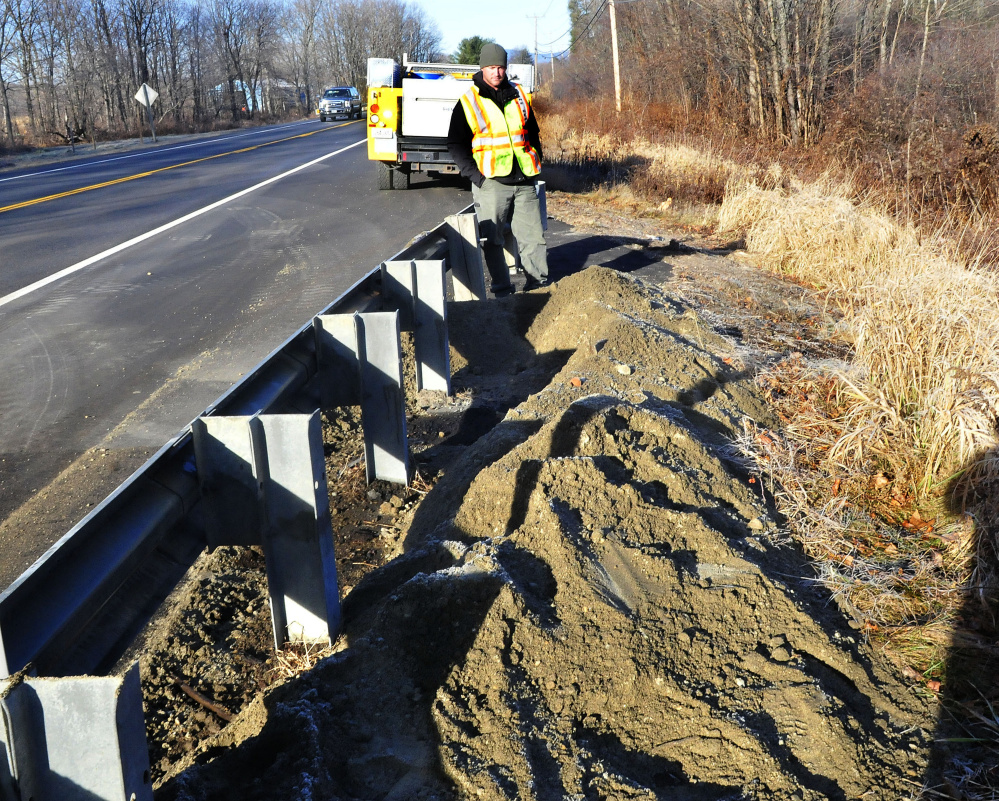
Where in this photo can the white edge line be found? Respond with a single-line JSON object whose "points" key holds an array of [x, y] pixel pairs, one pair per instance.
{"points": [[185, 145], [173, 224]]}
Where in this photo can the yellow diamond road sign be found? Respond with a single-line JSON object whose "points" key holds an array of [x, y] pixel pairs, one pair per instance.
{"points": [[146, 95]]}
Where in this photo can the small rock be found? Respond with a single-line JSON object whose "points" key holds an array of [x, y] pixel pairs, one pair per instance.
{"points": [[781, 654], [756, 524], [374, 495], [396, 501], [386, 509], [625, 369]]}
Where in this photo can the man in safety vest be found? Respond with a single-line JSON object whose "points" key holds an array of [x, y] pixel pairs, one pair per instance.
{"points": [[494, 141]]}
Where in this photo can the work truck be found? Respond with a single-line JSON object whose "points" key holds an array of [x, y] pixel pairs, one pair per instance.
{"points": [[409, 112]]}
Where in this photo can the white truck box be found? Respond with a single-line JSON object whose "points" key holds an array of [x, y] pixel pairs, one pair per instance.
{"points": [[427, 104]]}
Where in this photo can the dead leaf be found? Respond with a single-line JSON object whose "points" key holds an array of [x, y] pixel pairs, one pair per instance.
{"points": [[835, 487], [933, 686], [880, 480]]}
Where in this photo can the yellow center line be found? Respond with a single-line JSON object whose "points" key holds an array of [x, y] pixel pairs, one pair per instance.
{"points": [[26, 203]]}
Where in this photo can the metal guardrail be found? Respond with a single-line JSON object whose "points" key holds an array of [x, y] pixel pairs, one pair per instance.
{"points": [[76, 610]]}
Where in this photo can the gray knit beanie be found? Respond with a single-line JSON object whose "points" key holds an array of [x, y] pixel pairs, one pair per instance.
{"points": [[492, 55]]}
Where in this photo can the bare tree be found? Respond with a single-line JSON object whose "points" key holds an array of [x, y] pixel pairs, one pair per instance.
{"points": [[351, 31], [7, 34], [25, 19], [231, 29], [297, 58]]}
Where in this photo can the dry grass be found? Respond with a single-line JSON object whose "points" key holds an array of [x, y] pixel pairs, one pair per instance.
{"points": [[298, 658], [676, 177], [925, 328]]}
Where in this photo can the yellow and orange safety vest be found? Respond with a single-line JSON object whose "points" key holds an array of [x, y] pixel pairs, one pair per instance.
{"points": [[499, 136]]}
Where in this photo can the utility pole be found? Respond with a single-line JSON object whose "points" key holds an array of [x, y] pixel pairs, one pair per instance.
{"points": [[535, 43], [617, 69], [535, 17]]}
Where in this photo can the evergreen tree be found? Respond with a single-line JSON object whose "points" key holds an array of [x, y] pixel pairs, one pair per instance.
{"points": [[469, 49]]}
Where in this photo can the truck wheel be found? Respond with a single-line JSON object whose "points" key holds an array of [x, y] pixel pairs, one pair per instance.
{"points": [[393, 177], [386, 176]]}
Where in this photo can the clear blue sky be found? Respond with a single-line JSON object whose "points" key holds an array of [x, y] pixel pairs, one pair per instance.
{"points": [[509, 22]]}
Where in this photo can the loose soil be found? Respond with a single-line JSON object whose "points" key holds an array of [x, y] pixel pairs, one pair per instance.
{"points": [[584, 593]]}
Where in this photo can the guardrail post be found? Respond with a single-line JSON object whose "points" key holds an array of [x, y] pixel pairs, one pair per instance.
{"points": [[419, 290], [465, 254], [360, 359], [74, 739], [275, 464], [230, 459], [539, 189]]}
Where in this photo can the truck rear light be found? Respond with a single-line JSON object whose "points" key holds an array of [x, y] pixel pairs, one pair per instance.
{"points": [[375, 108]]}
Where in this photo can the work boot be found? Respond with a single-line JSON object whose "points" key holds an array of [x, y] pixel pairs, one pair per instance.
{"points": [[534, 283]]}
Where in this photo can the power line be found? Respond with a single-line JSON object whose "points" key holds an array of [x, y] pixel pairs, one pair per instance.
{"points": [[593, 19], [556, 39]]}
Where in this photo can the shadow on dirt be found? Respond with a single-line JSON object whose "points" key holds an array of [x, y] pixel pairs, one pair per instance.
{"points": [[570, 253], [584, 174], [963, 760]]}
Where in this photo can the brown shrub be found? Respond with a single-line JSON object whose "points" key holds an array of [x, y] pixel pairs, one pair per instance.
{"points": [[978, 171]]}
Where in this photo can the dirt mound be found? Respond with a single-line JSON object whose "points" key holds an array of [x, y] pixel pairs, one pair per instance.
{"points": [[594, 600]]}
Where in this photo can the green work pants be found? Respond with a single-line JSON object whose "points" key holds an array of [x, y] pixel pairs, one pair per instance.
{"points": [[498, 206]]}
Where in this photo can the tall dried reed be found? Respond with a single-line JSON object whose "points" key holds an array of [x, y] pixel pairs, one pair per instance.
{"points": [[925, 325]]}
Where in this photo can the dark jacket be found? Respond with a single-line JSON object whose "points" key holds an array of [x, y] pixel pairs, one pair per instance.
{"points": [[459, 135]]}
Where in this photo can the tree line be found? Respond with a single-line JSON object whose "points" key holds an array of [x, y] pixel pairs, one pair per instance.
{"points": [[778, 67], [71, 67]]}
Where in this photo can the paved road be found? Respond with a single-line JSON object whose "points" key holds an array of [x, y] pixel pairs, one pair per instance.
{"points": [[119, 326]]}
